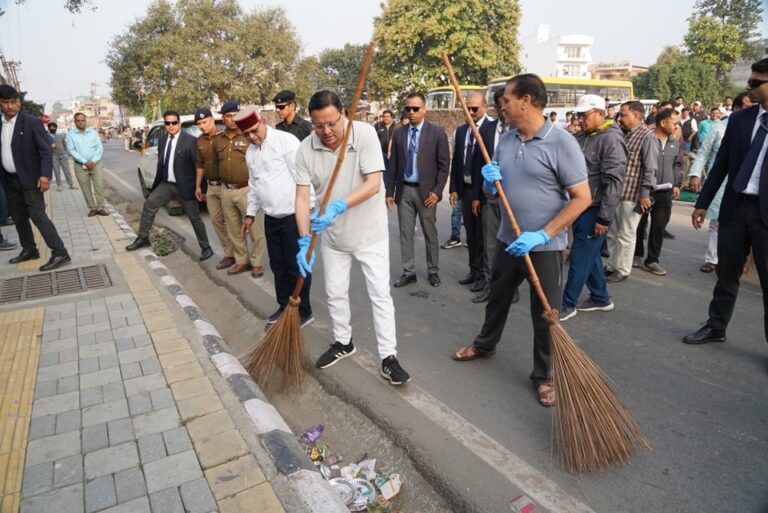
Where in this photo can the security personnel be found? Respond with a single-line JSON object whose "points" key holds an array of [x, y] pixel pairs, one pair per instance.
{"points": [[285, 103], [229, 149], [206, 169]]}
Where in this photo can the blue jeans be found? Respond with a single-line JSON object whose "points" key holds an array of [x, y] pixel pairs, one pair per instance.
{"points": [[586, 267], [456, 221]]}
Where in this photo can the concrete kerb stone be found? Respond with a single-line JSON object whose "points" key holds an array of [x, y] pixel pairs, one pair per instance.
{"points": [[275, 435]]}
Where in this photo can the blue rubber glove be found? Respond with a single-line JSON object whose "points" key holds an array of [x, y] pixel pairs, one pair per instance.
{"points": [[319, 224], [527, 241], [491, 173], [301, 257]]}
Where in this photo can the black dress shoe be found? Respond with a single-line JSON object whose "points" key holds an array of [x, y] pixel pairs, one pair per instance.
{"points": [[668, 235], [705, 334], [470, 278], [482, 297], [139, 242], [26, 254], [404, 280], [206, 254], [54, 262], [478, 285], [434, 279]]}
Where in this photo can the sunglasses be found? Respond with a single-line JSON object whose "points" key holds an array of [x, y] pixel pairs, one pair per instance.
{"points": [[473, 109], [171, 123], [754, 83], [281, 107], [412, 109]]}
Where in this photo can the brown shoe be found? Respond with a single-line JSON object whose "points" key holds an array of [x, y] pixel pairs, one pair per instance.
{"points": [[102, 212], [239, 268], [257, 272], [92, 212], [225, 262]]}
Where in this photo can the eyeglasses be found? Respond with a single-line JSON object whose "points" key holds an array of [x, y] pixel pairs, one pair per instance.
{"points": [[171, 123], [412, 109], [322, 126], [473, 109], [754, 83]]}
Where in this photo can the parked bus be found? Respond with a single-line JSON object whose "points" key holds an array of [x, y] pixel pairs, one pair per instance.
{"points": [[564, 92], [445, 97]]}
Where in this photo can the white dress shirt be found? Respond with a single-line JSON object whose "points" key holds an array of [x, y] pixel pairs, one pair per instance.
{"points": [[7, 154], [501, 129], [272, 174], [753, 187], [172, 156]]}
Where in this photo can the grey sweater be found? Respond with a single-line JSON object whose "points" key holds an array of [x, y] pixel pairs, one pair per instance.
{"points": [[606, 155]]}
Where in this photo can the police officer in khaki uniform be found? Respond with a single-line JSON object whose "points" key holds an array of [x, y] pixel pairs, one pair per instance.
{"points": [[229, 149], [207, 169]]}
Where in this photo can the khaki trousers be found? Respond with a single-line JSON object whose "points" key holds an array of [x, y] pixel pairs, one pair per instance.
{"points": [[92, 185], [621, 238], [215, 210], [234, 203]]}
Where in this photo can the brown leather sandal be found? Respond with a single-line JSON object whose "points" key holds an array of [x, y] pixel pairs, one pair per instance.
{"points": [[708, 267], [546, 393], [465, 354]]}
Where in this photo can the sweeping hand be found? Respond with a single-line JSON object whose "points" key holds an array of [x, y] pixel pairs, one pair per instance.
{"points": [[320, 223], [491, 173], [305, 267], [527, 241]]}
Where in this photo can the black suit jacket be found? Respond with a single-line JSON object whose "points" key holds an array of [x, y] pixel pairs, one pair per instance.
{"points": [[31, 149], [432, 161], [733, 149], [183, 164], [488, 135], [457, 163]]}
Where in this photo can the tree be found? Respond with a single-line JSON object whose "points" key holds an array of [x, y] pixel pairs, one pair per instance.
{"points": [[714, 42], [670, 54], [689, 78], [73, 6], [57, 109], [193, 52], [304, 79], [30, 107], [480, 36], [744, 14], [339, 69]]}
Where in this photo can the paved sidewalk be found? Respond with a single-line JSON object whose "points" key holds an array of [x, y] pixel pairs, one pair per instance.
{"points": [[109, 401]]}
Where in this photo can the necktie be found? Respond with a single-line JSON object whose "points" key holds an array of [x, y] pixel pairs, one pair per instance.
{"points": [[167, 158], [748, 165], [468, 157], [411, 152]]}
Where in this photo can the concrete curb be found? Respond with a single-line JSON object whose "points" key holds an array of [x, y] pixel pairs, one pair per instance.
{"points": [[273, 432]]}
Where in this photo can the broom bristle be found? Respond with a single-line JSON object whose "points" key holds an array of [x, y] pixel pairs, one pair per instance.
{"points": [[593, 429], [280, 351]]}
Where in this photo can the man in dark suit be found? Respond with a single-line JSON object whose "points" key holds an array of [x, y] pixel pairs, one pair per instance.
{"points": [[27, 167], [176, 169], [491, 133], [743, 160], [417, 172]]}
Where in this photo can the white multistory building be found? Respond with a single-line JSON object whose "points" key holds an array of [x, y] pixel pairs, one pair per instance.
{"points": [[557, 55]]}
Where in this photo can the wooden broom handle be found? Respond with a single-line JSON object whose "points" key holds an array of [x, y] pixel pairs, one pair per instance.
{"points": [[342, 152], [502, 197]]}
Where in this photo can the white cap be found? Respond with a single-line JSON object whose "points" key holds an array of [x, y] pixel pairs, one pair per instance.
{"points": [[589, 102]]}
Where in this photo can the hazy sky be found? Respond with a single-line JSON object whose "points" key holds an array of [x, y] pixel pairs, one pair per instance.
{"points": [[62, 53]]}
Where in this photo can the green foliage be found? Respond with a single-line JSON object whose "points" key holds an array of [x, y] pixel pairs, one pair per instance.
{"points": [[714, 42], [743, 14], [303, 79], [187, 54], [339, 70], [689, 78], [30, 107], [670, 54], [480, 36]]}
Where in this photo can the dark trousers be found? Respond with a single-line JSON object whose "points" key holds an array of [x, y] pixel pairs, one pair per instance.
{"points": [[742, 231], [411, 205], [491, 222], [660, 213], [508, 273], [473, 226], [282, 237], [158, 198], [27, 205], [585, 266]]}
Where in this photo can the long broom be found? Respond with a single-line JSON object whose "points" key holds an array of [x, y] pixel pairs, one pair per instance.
{"points": [[282, 346], [593, 430]]}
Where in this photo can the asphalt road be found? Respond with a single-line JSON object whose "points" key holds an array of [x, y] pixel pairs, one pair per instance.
{"points": [[704, 408]]}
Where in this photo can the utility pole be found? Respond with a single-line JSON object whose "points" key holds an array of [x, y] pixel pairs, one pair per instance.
{"points": [[10, 68]]}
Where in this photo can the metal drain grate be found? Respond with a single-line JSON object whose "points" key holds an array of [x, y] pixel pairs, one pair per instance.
{"points": [[56, 283]]}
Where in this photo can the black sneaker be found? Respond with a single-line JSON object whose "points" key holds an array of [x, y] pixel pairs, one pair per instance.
{"points": [[451, 243], [390, 369], [306, 320], [338, 351], [566, 312], [272, 319]]}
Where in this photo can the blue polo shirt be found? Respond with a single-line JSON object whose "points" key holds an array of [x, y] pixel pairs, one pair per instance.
{"points": [[535, 175]]}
